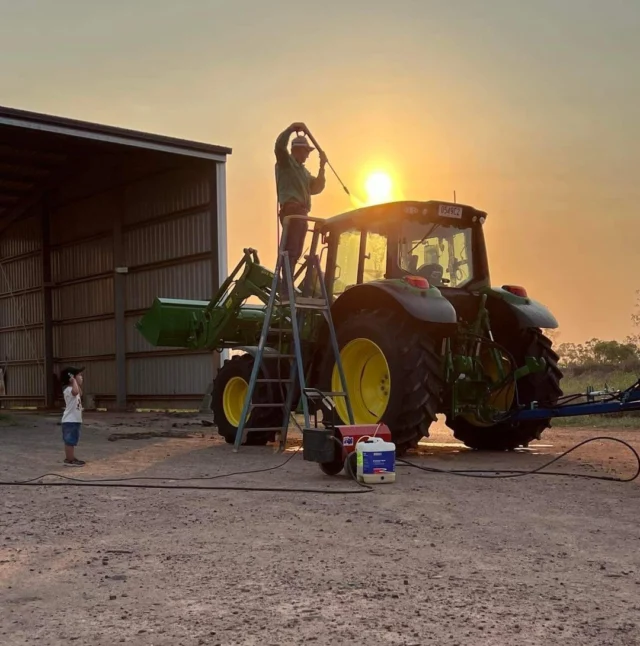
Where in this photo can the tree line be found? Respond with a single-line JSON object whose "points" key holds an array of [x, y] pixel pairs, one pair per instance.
{"points": [[597, 352]]}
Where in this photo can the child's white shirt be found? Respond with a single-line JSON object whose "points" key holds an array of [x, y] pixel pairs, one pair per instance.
{"points": [[73, 407]]}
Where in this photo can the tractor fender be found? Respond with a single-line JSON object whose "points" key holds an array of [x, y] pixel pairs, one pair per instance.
{"points": [[428, 305], [526, 311]]}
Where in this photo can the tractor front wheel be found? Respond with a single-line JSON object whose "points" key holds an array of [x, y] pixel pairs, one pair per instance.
{"points": [[230, 388], [543, 387], [393, 374]]}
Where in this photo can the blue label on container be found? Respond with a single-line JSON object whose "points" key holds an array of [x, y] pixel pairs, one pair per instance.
{"points": [[378, 462]]}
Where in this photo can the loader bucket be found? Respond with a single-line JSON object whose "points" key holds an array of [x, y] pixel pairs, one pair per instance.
{"points": [[168, 322]]}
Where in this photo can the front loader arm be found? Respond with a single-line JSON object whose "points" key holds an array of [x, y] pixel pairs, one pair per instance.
{"points": [[224, 322]]}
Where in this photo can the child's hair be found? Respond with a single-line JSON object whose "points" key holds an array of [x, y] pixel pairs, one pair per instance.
{"points": [[67, 373]]}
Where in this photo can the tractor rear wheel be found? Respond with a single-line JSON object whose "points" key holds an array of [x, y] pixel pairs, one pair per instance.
{"points": [[543, 387], [393, 375], [230, 389]]}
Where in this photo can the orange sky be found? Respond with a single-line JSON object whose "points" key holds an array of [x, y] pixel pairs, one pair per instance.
{"points": [[528, 112]]}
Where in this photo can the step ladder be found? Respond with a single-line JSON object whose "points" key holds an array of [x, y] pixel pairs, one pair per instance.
{"points": [[285, 316]]}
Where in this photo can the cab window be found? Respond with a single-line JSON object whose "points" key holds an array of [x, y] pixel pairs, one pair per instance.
{"points": [[347, 256], [375, 257], [442, 254]]}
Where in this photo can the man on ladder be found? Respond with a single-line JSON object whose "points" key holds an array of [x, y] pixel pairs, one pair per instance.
{"points": [[295, 186]]}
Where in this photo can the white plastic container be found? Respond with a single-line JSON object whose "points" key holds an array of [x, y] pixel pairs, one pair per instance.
{"points": [[376, 461]]}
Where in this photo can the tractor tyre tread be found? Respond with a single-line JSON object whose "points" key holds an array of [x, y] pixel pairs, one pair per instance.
{"points": [[419, 365], [241, 366]]}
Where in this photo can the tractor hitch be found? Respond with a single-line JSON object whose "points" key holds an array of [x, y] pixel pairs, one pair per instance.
{"points": [[532, 365]]}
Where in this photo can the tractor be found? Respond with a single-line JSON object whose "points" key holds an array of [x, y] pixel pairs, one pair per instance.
{"points": [[420, 330]]}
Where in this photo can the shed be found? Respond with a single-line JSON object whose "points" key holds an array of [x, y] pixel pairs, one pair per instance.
{"points": [[95, 221]]}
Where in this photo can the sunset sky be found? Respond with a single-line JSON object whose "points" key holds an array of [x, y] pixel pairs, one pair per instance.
{"points": [[530, 111]]}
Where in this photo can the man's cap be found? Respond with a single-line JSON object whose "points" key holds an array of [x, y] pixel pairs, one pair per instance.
{"points": [[301, 142], [68, 372]]}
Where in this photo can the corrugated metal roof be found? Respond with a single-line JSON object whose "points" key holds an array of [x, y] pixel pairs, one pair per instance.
{"points": [[86, 129]]}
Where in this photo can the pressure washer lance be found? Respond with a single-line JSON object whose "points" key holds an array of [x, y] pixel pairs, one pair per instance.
{"points": [[333, 170]]}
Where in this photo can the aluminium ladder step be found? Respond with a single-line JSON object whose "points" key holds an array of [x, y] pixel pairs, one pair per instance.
{"points": [[338, 393], [304, 303], [290, 326]]}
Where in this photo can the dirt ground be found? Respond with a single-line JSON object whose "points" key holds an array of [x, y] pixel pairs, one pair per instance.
{"points": [[431, 559]]}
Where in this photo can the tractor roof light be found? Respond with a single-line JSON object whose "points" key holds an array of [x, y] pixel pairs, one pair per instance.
{"points": [[419, 282], [516, 290]]}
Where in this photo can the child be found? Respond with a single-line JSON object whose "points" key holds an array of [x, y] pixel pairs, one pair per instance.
{"points": [[71, 379]]}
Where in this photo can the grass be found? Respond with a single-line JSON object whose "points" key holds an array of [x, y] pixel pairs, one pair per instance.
{"points": [[577, 380]]}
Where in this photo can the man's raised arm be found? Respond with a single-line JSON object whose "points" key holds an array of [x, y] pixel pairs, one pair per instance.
{"points": [[282, 142]]}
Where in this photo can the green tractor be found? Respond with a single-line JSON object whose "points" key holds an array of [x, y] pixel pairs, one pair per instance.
{"points": [[420, 331]]}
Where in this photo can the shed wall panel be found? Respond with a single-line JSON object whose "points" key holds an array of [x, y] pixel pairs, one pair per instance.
{"points": [[19, 274], [169, 376], [190, 281], [22, 237], [168, 239], [85, 339], [165, 194], [26, 381], [21, 310], [22, 345], [85, 218], [92, 298], [86, 258], [21, 314], [166, 236]]}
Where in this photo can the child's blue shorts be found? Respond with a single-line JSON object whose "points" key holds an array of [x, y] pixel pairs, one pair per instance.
{"points": [[71, 433]]}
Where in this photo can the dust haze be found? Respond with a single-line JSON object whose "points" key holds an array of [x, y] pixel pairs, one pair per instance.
{"points": [[527, 112]]}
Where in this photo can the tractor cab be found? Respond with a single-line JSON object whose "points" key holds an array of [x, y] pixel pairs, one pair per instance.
{"points": [[440, 242]]}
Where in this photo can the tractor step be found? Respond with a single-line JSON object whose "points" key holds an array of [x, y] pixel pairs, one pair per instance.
{"points": [[273, 381], [305, 303], [269, 405], [338, 393]]}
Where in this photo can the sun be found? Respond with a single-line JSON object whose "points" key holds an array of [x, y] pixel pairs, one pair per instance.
{"points": [[379, 187]]}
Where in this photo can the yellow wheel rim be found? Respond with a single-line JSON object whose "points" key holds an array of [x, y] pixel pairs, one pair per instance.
{"points": [[502, 399], [368, 382], [233, 398]]}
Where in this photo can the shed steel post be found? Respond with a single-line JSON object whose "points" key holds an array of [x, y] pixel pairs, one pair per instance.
{"points": [[47, 303], [218, 226], [119, 288]]}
